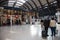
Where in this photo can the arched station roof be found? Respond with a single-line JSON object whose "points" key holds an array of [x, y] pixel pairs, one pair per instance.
{"points": [[33, 5]]}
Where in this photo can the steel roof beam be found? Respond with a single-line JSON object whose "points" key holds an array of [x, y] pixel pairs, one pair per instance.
{"points": [[2, 1], [6, 2], [25, 5], [48, 6], [34, 4], [14, 4], [40, 4], [30, 4], [48, 2]]}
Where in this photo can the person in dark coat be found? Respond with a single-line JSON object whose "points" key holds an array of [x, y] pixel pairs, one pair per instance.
{"points": [[46, 25], [8, 21]]}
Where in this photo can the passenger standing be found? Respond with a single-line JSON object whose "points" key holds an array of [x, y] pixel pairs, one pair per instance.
{"points": [[8, 21], [53, 26], [42, 24], [46, 25]]}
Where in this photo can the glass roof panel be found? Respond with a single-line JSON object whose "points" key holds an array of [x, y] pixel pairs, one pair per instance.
{"points": [[11, 1], [18, 2], [22, 1], [18, 5], [10, 4]]}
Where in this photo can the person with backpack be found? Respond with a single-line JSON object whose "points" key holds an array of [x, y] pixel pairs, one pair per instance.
{"points": [[53, 26]]}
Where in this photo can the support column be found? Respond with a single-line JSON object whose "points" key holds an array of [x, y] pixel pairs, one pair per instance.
{"points": [[11, 20], [21, 17], [58, 11], [58, 16]]}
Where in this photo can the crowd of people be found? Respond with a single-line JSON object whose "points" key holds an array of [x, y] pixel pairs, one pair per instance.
{"points": [[48, 23]]}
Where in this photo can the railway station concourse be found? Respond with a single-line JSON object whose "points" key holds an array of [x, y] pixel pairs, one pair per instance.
{"points": [[21, 19]]}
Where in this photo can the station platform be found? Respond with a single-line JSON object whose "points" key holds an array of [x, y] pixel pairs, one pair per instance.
{"points": [[25, 32]]}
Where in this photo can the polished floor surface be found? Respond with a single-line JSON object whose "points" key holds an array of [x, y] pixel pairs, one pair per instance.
{"points": [[25, 32]]}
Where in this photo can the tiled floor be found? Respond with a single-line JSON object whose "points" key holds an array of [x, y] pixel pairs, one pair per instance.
{"points": [[24, 32]]}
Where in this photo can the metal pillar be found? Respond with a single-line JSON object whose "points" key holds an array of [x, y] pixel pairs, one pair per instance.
{"points": [[58, 16]]}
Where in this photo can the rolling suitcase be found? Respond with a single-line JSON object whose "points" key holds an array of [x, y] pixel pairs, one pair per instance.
{"points": [[56, 32], [44, 34]]}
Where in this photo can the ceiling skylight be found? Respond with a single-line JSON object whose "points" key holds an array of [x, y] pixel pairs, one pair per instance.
{"points": [[10, 3], [17, 2], [22, 1]]}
